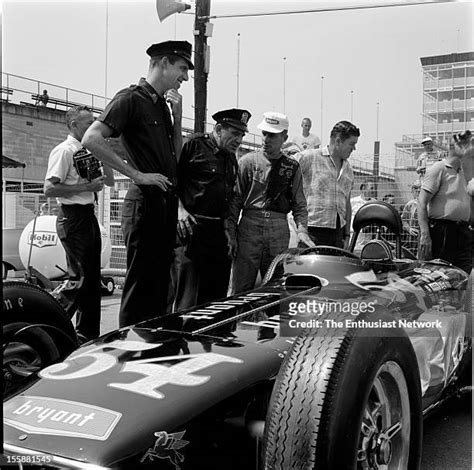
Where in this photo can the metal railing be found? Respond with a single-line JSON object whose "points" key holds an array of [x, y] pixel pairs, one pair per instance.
{"points": [[19, 90]]}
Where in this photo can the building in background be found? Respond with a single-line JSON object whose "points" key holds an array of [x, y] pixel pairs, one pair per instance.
{"points": [[448, 95], [448, 107]]}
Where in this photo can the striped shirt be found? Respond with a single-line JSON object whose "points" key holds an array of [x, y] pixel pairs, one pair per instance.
{"points": [[327, 192]]}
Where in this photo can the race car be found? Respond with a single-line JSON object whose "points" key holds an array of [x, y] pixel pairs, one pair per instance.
{"points": [[331, 363]]}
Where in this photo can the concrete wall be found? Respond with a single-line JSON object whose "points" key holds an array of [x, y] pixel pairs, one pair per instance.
{"points": [[28, 135]]}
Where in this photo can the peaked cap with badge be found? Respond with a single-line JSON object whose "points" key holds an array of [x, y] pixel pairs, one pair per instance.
{"points": [[181, 49], [234, 117]]}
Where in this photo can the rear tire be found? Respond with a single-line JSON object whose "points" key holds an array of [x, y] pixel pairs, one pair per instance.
{"points": [[338, 394]]}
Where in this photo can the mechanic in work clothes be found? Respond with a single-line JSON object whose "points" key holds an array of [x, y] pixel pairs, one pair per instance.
{"points": [[269, 186], [77, 225], [444, 208], [207, 173], [153, 140]]}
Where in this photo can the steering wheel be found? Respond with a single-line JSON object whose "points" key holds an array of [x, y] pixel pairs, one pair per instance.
{"points": [[329, 250]]}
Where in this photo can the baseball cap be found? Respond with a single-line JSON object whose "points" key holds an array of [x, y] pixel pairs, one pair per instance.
{"points": [[274, 122]]}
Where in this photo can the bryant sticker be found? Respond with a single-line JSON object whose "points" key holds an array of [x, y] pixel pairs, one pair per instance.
{"points": [[52, 416]]}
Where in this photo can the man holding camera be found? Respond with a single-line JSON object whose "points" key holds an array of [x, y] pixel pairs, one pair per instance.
{"points": [[444, 208], [75, 187]]}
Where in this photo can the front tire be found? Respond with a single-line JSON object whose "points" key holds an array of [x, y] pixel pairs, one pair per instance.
{"points": [[346, 400], [28, 348]]}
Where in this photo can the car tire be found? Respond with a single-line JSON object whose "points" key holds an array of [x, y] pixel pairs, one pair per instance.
{"points": [[28, 348], [336, 393], [109, 284]]}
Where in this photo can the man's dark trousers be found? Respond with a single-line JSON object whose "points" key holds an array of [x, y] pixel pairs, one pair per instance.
{"points": [[202, 266], [79, 232], [451, 241], [149, 218]]}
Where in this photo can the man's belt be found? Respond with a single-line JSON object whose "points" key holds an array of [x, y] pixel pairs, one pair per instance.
{"points": [[266, 213], [460, 223]]}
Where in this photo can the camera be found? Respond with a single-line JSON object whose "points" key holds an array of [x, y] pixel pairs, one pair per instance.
{"points": [[86, 165], [463, 139]]}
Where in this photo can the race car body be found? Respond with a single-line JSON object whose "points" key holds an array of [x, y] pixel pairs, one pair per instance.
{"points": [[192, 390]]}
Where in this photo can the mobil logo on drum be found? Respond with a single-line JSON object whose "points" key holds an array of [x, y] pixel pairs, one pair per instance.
{"points": [[42, 239]]}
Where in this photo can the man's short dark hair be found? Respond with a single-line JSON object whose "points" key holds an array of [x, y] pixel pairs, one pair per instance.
{"points": [[74, 112], [344, 130]]}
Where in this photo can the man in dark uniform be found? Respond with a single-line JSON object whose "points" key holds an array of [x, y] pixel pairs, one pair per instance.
{"points": [[140, 115], [207, 174]]}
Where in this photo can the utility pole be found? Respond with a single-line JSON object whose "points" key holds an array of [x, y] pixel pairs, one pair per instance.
{"points": [[238, 68], [201, 62], [284, 85]]}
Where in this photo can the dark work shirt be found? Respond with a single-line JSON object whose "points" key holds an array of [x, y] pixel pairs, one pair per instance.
{"points": [[206, 177], [142, 118]]}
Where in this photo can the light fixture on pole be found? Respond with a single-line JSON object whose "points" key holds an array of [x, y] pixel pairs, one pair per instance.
{"points": [[238, 67], [284, 84], [352, 105], [322, 81]]}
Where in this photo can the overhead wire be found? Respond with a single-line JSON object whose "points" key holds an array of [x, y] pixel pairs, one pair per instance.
{"points": [[319, 10]]}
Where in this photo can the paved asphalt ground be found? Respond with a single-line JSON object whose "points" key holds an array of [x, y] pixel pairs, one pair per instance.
{"points": [[447, 436]]}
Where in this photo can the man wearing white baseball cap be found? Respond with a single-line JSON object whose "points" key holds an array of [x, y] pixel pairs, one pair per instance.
{"points": [[269, 186], [429, 157]]}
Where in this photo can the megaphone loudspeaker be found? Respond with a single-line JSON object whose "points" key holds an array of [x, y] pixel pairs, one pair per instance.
{"points": [[166, 8]]}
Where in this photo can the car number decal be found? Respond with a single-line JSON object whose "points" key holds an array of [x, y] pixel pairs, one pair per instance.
{"points": [[154, 375]]}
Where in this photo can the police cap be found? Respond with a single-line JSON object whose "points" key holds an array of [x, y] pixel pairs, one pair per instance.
{"points": [[234, 117], [181, 49]]}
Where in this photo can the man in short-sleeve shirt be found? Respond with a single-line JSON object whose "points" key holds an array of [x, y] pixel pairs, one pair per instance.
{"points": [[76, 224], [306, 140], [152, 138], [444, 209]]}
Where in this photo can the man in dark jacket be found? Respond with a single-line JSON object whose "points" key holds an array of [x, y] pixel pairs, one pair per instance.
{"points": [[207, 174]]}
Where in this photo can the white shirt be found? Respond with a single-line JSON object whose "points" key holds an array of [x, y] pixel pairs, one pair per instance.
{"points": [[310, 142], [61, 166]]}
